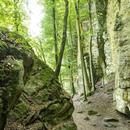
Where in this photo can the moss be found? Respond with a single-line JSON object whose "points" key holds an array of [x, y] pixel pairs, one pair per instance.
{"points": [[3, 50], [66, 126], [40, 99], [19, 111]]}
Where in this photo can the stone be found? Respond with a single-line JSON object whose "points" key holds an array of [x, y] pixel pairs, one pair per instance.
{"points": [[87, 118], [89, 102], [128, 121], [98, 114], [92, 112], [110, 90], [118, 23], [110, 119], [109, 125], [80, 112], [30, 91], [94, 125]]}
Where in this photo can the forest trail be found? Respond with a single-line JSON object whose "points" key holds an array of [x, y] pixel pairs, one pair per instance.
{"points": [[98, 113]]}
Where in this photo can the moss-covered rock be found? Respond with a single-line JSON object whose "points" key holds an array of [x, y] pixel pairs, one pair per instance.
{"points": [[33, 97]]}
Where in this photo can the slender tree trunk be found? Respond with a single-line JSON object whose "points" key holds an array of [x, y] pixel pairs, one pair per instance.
{"points": [[90, 48], [64, 36], [72, 57], [80, 46], [61, 82], [72, 81], [84, 87], [86, 73], [43, 55], [55, 32]]}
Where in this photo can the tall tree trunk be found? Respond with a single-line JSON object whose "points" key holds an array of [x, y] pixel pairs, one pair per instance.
{"points": [[55, 32], [72, 82], [80, 46], [90, 48], [64, 36], [72, 57]]}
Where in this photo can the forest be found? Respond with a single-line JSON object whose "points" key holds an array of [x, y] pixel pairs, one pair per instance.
{"points": [[64, 65]]}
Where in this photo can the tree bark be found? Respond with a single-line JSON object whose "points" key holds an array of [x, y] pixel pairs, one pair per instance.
{"points": [[55, 32], [64, 36], [90, 48], [80, 46], [72, 57]]}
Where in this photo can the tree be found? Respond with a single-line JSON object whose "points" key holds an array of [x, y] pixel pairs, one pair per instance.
{"points": [[55, 32], [80, 46], [90, 48], [64, 36]]}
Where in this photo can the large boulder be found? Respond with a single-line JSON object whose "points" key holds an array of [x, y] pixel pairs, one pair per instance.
{"points": [[118, 23], [30, 95]]}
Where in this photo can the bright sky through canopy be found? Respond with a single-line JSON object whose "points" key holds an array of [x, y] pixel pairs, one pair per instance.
{"points": [[35, 13]]}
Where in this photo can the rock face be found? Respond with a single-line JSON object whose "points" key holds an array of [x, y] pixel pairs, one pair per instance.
{"points": [[30, 96], [118, 23]]}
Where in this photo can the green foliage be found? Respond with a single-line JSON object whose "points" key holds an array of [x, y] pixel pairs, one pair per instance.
{"points": [[20, 110], [11, 15], [14, 18]]}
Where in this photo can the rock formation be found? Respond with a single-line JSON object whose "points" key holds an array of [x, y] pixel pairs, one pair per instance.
{"points": [[31, 98], [118, 23]]}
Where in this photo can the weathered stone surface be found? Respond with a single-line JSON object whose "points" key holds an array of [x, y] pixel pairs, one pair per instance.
{"points": [[118, 23], [34, 97]]}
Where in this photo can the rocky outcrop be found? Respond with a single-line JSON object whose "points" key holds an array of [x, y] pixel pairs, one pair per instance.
{"points": [[30, 95], [118, 23]]}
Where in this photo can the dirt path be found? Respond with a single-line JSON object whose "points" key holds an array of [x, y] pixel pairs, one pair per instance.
{"points": [[98, 113]]}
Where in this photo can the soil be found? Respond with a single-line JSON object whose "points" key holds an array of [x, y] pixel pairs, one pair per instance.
{"points": [[98, 112]]}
